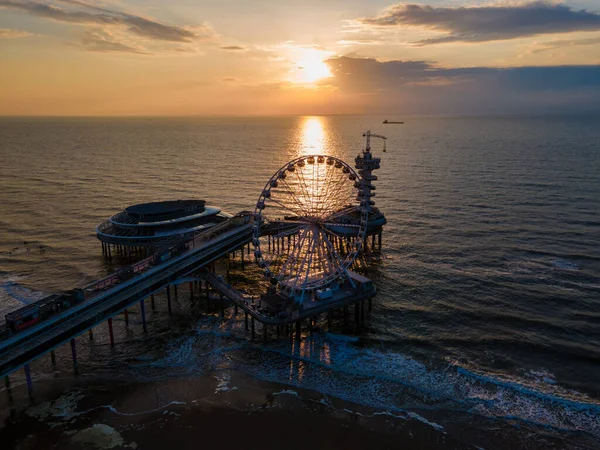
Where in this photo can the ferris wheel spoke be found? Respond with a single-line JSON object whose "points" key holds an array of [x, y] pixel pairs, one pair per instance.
{"points": [[306, 194], [298, 202], [332, 200], [332, 250], [286, 207], [322, 193], [300, 270], [310, 255], [292, 258], [326, 264]]}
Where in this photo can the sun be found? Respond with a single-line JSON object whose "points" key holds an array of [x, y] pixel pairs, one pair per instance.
{"points": [[310, 67]]}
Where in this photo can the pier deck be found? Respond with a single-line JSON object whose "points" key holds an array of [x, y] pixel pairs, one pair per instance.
{"points": [[344, 297], [28, 345]]}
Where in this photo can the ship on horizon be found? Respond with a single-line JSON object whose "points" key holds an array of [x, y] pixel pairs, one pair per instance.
{"points": [[385, 122]]}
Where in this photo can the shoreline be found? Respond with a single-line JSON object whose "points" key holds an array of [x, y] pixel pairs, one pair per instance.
{"points": [[230, 409]]}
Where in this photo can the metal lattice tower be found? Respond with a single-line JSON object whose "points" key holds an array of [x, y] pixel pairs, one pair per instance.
{"points": [[365, 163]]}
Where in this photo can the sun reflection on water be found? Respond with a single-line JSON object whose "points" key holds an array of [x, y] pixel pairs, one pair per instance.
{"points": [[313, 136]]}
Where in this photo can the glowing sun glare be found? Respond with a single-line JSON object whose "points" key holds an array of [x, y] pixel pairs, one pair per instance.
{"points": [[311, 67]]}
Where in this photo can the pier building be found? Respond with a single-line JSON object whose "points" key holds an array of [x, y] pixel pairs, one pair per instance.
{"points": [[141, 229]]}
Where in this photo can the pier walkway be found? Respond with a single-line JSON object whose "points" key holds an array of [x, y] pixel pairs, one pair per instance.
{"points": [[28, 345]]}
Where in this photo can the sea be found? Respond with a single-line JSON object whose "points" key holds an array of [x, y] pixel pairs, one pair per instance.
{"points": [[487, 313]]}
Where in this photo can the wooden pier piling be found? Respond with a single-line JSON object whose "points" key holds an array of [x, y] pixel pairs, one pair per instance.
{"points": [[74, 355], [169, 299], [28, 378], [110, 332], [143, 311]]}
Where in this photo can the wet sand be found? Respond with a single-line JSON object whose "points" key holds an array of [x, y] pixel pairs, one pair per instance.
{"points": [[229, 410]]}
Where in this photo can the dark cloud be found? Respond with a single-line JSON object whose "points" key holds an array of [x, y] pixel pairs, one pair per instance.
{"points": [[426, 87], [84, 13], [488, 23], [232, 47]]}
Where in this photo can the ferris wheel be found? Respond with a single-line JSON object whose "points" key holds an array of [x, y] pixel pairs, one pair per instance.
{"points": [[309, 225]]}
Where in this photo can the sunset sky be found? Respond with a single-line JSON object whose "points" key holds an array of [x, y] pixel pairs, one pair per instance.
{"points": [[71, 57]]}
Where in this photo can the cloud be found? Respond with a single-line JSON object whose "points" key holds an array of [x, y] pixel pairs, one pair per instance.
{"points": [[232, 47], [101, 41], [425, 87], [487, 23], [8, 33], [553, 45], [134, 26]]}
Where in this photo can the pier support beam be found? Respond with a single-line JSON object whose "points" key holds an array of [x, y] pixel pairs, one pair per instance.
{"points": [[329, 319], [253, 334], [110, 332], [28, 378], [152, 302], [74, 355], [91, 334], [126, 315], [53, 358], [169, 299], [191, 289], [246, 320], [265, 331], [298, 329], [143, 311], [8, 388]]}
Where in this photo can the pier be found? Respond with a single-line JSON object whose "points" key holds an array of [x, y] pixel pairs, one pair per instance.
{"points": [[102, 304], [320, 216]]}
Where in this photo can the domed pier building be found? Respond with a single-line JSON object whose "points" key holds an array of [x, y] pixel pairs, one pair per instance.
{"points": [[142, 228]]}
